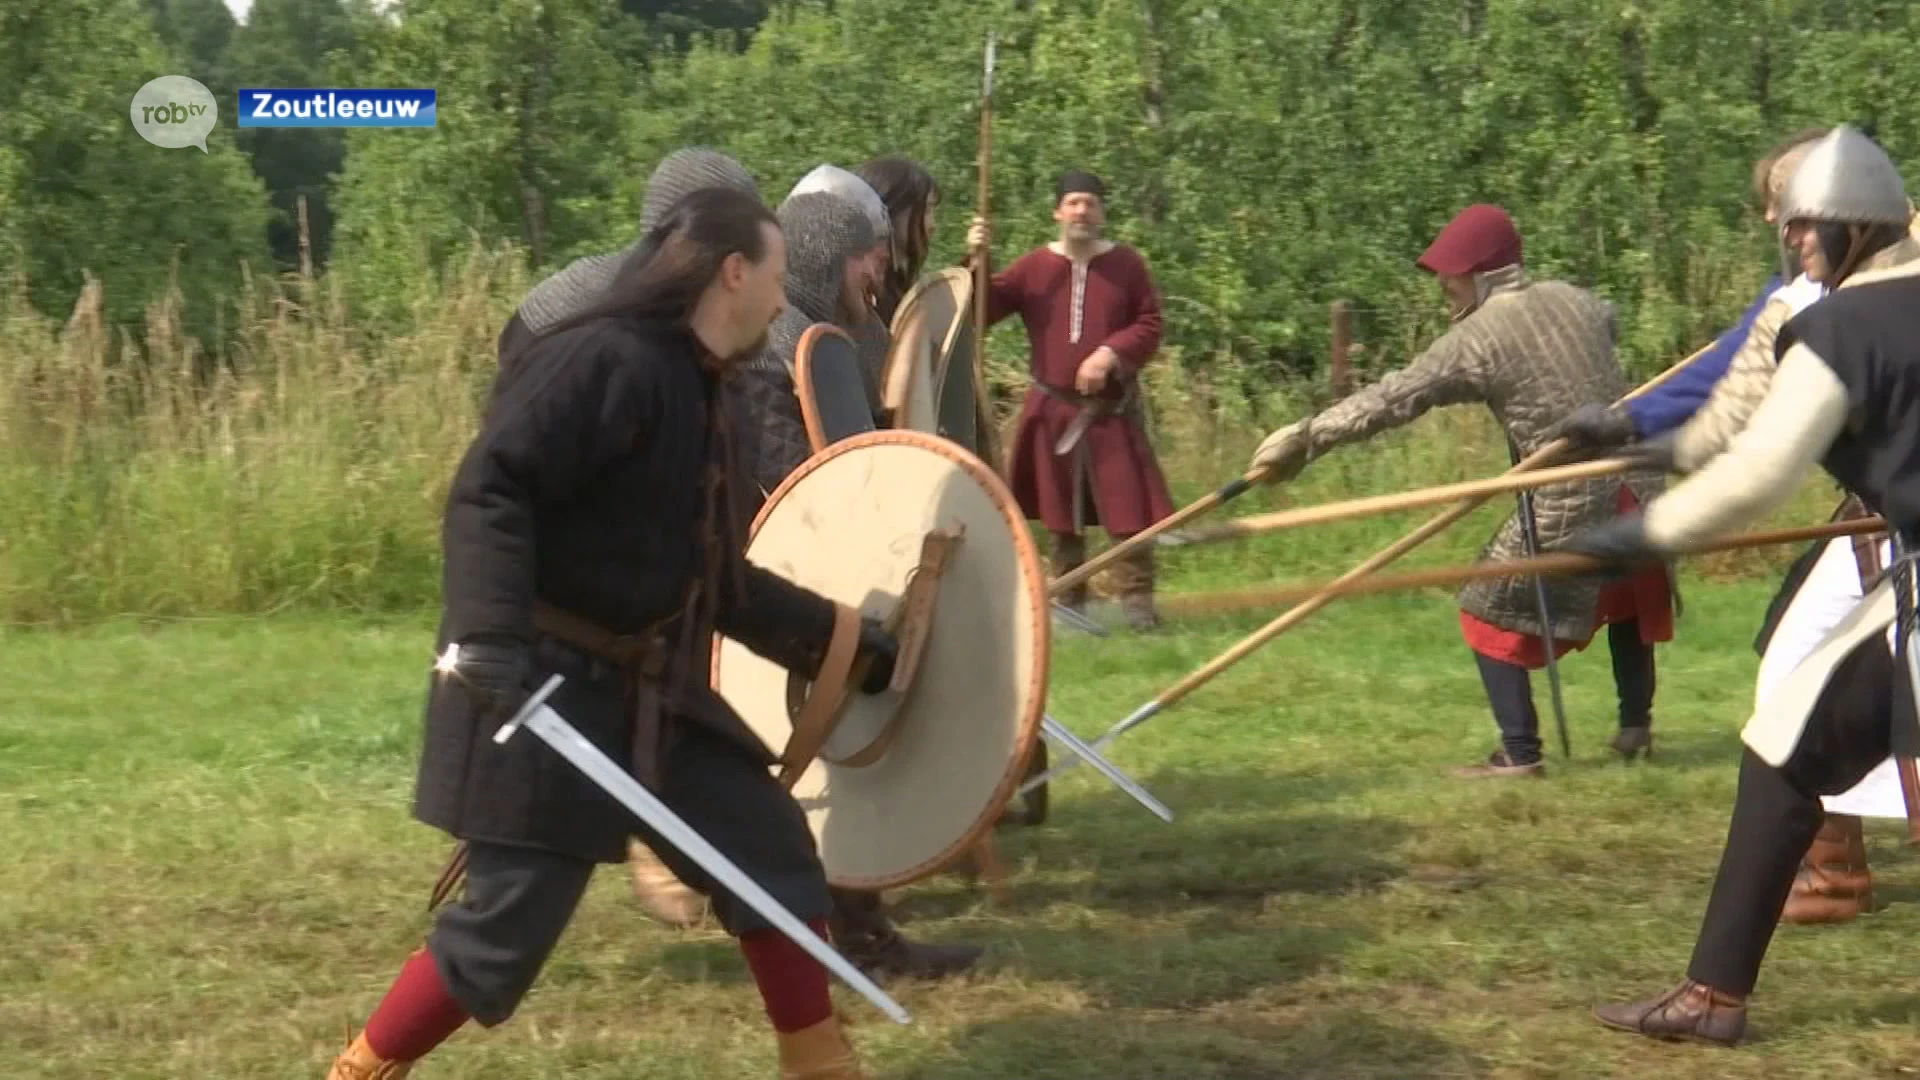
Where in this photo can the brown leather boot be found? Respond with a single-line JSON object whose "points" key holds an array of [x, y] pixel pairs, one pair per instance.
{"points": [[1136, 591], [817, 1053], [359, 1062], [1688, 1011], [664, 896], [1833, 884], [860, 929], [1068, 553]]}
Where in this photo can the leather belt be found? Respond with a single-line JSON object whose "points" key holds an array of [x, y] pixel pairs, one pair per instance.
{"points": [[642, 660], [1072, 441], [1091, 409]]}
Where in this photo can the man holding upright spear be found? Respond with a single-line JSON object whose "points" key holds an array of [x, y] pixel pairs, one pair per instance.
{"points": [[1532, 351], [1080, 454]]}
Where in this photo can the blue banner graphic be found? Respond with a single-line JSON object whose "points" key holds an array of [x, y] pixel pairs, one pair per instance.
{"points": [[336, 108]]}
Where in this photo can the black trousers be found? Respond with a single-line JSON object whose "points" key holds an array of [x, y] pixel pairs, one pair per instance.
{"points": [[490, 946], [1777, 811], [1510, 691]]}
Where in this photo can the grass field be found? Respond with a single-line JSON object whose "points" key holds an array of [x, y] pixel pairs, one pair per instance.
{"points": [[212, 874]]}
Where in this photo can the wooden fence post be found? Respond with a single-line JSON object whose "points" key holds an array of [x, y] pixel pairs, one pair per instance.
{"points": [[1339, 371]]}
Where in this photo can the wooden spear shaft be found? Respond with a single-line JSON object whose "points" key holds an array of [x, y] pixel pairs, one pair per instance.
{"points": [[1299, 613], [988, 439], [1066, 582], [1256, 524], [1552, 563], [1232, 489]]}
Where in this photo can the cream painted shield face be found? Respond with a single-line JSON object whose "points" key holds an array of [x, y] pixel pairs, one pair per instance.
{"points": [[849, 524]]}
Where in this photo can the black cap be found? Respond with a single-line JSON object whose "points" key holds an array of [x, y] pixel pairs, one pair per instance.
{"points": [[1076, 181]]}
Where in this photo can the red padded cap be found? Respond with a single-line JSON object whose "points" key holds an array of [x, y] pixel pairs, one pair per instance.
{"points": [[1478, 239]]}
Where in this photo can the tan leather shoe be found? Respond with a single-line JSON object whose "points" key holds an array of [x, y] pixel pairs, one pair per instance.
{"points": [[359, 1062], [1688, 1011], [664, 896], [1499, 766], [817, 1053]]}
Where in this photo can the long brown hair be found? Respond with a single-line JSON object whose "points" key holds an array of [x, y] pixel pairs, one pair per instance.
{"points": [[906, 188], [665, 277]]}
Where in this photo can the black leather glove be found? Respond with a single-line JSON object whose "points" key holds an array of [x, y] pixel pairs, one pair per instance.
{"points": [[1622, 540], [1595, 426], [498, 672], [883, 649], [1654, 453]]}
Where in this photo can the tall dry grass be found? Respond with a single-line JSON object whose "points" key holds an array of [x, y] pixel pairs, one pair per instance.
{"points": [[306, 465]]}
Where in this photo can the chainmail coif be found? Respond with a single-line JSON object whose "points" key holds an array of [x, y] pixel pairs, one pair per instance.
{"points": [[585, 281], [835, 180]]}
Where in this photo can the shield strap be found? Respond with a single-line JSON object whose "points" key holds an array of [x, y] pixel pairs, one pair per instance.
{"points": [[815, 720], [910, 621]]}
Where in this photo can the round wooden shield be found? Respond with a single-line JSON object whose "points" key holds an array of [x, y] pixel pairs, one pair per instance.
{"points": [[930, 322], [827, 380], [851, 523]]}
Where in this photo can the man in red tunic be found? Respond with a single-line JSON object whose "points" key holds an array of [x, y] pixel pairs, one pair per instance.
{"points": [[1080, 454]]}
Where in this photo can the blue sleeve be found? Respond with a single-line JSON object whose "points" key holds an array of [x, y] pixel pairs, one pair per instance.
{"points": [[1673, 402]]}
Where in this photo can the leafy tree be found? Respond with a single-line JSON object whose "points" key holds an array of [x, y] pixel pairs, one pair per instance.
{"points": [[296, 43], [533, 109], [83, 193]]}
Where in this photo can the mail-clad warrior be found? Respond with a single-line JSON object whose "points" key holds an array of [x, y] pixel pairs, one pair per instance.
{"points": [[1080, 453], [1532, 351], [868, 327], [828, 241], [564, 295], [912, 198], [1843, 398], [586, 280], [1677, 428], [593, 530]]}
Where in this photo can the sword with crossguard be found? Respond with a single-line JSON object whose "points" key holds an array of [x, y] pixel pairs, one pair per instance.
{"points": [[554, 730]]}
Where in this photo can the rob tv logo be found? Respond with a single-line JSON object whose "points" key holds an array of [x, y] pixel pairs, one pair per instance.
{"points": [[174, 111]]}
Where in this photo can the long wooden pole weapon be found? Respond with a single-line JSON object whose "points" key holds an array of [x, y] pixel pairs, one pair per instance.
{"points": [[989, 432], [1234, 488], [1299, 613], [1543, 565], [1367, 506]]}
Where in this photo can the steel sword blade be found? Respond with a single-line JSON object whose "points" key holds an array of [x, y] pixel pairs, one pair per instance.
{"points": [[1140, 716], [1079, 748], [553, 729], [1077, 621]]}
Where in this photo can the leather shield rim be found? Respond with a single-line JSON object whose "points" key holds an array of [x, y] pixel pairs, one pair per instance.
{"points": [[1039, 616], [952, 277], [803, 380]]}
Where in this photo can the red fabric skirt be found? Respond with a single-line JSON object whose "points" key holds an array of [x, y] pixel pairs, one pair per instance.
{"points": [[1646, 596], [1126, 487]]}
